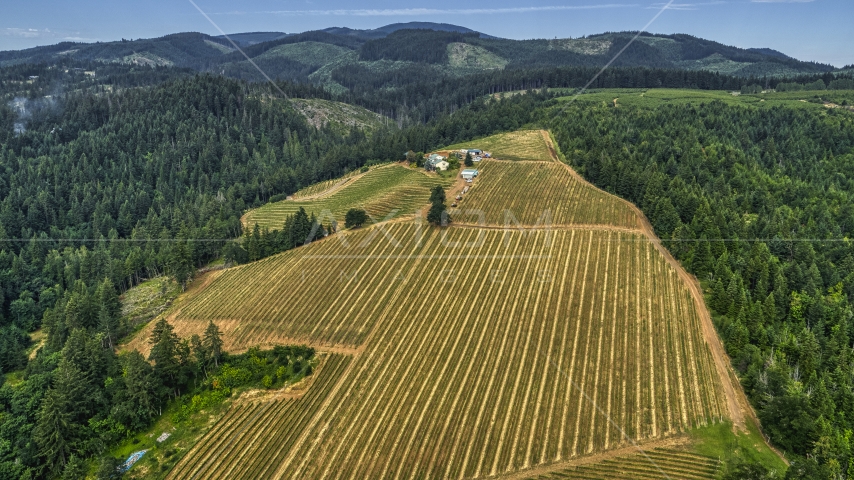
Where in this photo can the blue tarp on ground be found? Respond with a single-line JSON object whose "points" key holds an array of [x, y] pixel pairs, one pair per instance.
{"points": [[133, 458]]}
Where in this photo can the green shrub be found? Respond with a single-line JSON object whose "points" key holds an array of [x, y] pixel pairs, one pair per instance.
{"points": [[234, 377]]}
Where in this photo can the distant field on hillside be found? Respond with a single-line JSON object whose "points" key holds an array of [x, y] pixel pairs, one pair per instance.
{"points": [[392, 190], [520, 145], [507, 192], [602, 307], [651, 98]]}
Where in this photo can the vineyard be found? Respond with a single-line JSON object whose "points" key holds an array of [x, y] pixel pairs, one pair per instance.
{"points": [[530, 331], [541, 192], [519, 145], [383, 192], [318, 189], [657, 463], [242, 432], [468, 352]]}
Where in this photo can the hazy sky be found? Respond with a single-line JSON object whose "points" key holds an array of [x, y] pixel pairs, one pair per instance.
{"points": [[819, 30]]}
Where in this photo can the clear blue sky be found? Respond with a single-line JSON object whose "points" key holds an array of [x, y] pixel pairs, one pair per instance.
{"points": [[819, 30]]}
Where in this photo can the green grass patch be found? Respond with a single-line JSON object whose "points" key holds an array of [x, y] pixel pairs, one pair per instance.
{"points": [[652, 98], [719, 441], [14, 378], [466, 58], [383, 192], [714, 63]]}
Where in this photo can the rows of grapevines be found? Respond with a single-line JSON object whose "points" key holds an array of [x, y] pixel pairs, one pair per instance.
{"points": [[541, 192], [252, 436], [657, 463], [525, 351], [383, 192]]}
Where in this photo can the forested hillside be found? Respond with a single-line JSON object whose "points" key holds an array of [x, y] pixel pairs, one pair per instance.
{"points": [[107, 187], [420, 49], [759, 204]]}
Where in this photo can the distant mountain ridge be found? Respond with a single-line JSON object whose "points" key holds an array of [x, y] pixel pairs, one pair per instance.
{"points": [[382, 32], [253, 38], [332, 56], [769, 51]]}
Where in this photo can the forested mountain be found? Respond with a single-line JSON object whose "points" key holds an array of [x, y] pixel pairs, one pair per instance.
{"points": [[417, 49]]}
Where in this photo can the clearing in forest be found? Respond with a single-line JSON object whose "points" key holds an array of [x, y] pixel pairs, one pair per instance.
{"points": [[384, 192], [469, 352]]}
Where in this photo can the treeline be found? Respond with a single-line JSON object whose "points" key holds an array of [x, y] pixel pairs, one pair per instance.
{"points": [[78, 401], [299, 229], [416, 96], [759, 204], [838, 84], [56, 77], [422, 92]]}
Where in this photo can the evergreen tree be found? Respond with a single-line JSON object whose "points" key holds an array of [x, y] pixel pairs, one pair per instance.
{"points": [[703, 261], [212, 343], [75, 469], [437, 215], [136, 403], [54, 431], [108, 468], [769, 308], [200, 353], [180, 263], [164, 354], [720, 299]]}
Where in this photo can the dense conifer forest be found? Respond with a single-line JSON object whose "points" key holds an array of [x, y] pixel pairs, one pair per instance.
{"points": [[759, 205]]}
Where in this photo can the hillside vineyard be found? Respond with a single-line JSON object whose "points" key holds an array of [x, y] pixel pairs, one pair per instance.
{"points": [[475, 351], [383, 192], [476, 367]]}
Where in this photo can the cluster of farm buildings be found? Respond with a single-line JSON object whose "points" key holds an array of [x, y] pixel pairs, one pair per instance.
{"points": [[438, 162]]}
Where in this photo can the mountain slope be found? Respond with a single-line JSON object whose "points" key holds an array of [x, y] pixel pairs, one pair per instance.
{"points": [[455, 50]]}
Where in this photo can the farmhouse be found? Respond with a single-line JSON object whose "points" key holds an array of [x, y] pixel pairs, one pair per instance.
{"points": [[436, 162], [475, 151], [469, 173]]}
